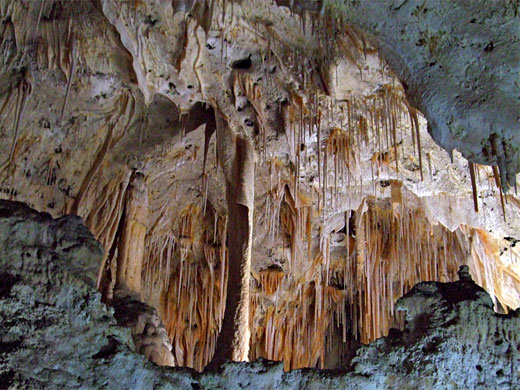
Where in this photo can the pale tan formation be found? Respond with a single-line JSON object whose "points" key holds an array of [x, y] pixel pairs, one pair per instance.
{"points": [[147, 329], [133, 233], [153, 341]]}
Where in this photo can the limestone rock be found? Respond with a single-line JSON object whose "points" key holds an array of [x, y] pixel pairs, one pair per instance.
{"points": [[350, 108], [148, 332]]}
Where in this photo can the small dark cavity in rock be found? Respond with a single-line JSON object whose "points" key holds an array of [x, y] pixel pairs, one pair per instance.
{"points": [[8, 347], [6, 379], [244, 63], [8, 281], [108, 350]]}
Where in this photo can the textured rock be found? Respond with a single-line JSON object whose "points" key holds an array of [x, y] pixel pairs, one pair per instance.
{"points": [[56, 334], [452, 339], [91, 91], [148, 332]]}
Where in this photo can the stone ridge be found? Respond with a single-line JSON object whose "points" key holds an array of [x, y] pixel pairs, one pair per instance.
{"points": [[56, 334]]}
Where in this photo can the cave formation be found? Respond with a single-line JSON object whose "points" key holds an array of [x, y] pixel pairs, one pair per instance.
{"points": [[248, 188]]}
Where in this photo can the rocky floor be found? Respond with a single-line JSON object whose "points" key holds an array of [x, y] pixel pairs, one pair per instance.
{"points": [[56, 334]]}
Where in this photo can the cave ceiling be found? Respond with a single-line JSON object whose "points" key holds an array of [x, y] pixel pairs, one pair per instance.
{"points": [[378, 129]]}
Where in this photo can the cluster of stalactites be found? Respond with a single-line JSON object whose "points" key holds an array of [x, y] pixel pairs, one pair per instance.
{"points": [[387, 251], [189, 268], [332, 137], [389, 246], [395, 249]]}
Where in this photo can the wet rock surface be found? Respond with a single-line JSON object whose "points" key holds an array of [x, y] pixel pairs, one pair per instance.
{"points": [[56, 334]]}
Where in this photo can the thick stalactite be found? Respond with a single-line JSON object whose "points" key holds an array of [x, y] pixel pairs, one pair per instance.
{"points": [[236, 158], [130, 251]]}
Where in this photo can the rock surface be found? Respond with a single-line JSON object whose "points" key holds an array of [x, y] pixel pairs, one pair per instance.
{"points": [[92, 92], [56, 334], [148, 332]]}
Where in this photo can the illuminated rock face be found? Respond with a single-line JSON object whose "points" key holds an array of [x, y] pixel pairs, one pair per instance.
{"points": [[122, 288], [57, 334], [454, 67], [349, 200]]}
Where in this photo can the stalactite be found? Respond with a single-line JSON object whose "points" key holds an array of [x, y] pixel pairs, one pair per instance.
{"points": [[473, 185], [340, 147], [395, 248], [72, 69], [274, 201], [414, 122], [133, 234], [498, 183], [103, 220], [192, 289], [24, 92], [270, 279], [388, 258], [254, 94], [42, 5]]}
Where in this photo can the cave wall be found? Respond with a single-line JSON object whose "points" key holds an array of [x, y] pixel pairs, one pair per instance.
{"points": [[345, 165]]}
